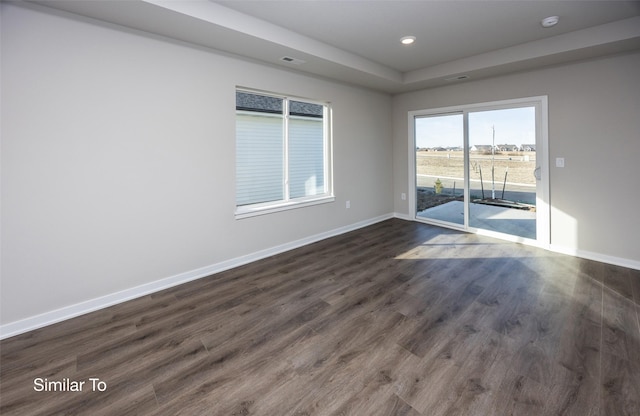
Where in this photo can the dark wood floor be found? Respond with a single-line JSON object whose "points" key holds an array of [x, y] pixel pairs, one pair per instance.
{"points": [[399, 318]]}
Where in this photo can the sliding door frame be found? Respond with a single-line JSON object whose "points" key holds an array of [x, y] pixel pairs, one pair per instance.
{"points": [[543, 228]]}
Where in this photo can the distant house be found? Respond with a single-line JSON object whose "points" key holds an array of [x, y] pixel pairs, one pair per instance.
{"points": [[481, 148], [263, 104], [438, 149], [507, 148], [528, 147]]}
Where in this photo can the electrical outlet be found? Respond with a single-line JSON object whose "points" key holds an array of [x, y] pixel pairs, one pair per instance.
{"points": [[403, 196], [348, 204]]}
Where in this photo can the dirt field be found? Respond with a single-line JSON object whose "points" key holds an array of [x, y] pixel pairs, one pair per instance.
{"points": [[451, 164]]}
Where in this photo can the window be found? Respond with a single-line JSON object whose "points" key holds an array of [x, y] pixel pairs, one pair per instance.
{"points": [[282, 153]]}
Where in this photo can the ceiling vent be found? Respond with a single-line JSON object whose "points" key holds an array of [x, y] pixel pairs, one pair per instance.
{"points": [[458, 78], [294, 61]]}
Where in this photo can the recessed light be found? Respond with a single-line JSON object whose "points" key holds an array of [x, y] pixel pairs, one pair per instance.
{"points": [[408, 40], [550, 21]]}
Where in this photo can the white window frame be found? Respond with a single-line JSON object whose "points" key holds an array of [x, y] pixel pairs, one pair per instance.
{"points": [[287, 203]]}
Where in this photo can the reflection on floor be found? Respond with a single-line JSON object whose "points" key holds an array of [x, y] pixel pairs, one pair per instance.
{"points": [[505, 220]]}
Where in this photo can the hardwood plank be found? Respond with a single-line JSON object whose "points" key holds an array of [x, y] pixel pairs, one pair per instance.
{"points": [[619, 325], [576, 383], [226, 379], [480, 376], [620, 386], [16, 358], [575, 392], [519, 395], [393, 406], [619, 279], [424, 384], [515, 303], [634, 277], [457, 297], [367, 375], [17, 389]]}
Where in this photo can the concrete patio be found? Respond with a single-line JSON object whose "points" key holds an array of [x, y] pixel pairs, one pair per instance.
{"points": [[512, 221]]}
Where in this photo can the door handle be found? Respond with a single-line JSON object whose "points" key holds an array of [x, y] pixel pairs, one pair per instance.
{"points": [[536, 173]]}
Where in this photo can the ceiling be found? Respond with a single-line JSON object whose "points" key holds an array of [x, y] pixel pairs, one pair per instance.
{"points": [[358, 41]]}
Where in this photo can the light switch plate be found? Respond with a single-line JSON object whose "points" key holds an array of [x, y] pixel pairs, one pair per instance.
{"points": [[559, 162]]}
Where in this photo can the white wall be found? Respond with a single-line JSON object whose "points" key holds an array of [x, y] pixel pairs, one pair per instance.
{"points": [[118, 160], [594, 123]]}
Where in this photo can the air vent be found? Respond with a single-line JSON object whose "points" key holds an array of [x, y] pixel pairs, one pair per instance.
{"points": [[294, 61], [458, 78]]}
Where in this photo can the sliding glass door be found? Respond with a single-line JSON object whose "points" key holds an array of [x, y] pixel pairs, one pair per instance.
{"points": [[482, 168], [440, 162], [502, 161]]}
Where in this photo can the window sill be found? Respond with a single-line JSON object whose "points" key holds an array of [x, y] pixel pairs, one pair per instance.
{"points": [[253, 211]]}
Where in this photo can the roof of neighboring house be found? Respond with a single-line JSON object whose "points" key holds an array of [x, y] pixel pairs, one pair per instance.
{"points": [[266, 104]]}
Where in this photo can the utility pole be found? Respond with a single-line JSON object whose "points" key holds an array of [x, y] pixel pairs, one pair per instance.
{"points": [[493, 151]]}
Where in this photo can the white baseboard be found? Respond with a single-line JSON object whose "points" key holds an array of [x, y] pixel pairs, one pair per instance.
{"points": [[68, 312], [401, 216], [589, 255]]}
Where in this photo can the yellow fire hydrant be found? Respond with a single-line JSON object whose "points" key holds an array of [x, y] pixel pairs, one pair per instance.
{"points": [[438, 186]]}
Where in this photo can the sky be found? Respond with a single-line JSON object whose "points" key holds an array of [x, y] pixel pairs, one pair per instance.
{"points": [[512, 126]]}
